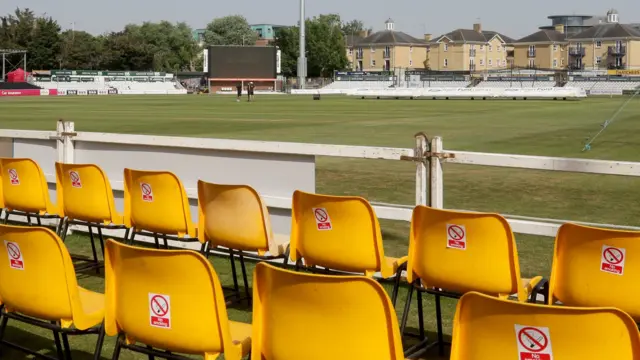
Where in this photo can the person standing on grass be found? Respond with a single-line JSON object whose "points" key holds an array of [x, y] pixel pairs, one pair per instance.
{"points": [[251, 89], [239, 89]]}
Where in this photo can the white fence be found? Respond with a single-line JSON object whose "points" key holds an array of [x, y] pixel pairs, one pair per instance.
{"points": [[472, 93], [276, 169]]}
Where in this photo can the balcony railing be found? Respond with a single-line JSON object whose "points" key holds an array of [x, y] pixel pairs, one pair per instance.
{"points": [[576, 51], [616, 67], [617, 50], [576, 66], [359, 55], [386, 54], [472, 67], [531, 53]]}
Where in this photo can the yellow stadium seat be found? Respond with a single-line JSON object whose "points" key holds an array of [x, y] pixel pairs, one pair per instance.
{"points": [[591, 268], [486, 327], [85, 198], [25, 191], [156, 204], [338, 233], [38, 287], [170, 301], [453, 252], [235, 217], [316, 317]]}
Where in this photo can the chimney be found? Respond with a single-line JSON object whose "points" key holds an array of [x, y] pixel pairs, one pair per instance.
{"points": [[427, 37], [477, 27], [364, 33], [560, 28]]}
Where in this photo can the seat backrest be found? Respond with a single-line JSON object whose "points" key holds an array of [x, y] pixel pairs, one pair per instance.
{"points": [[37, 275], [234, 216], [463, 251], [156, 201], [486, 327], [596, 267], [336, 232], [322, 317], [25, 186], [84, 193], [169, 299]]}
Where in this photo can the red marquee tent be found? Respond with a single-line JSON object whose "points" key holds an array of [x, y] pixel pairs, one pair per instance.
{"points": [[17, 76]]}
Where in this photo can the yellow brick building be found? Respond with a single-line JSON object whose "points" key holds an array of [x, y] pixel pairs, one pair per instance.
{"points": [[386, 50], [472, 50], [544, 49], [609, 45]]}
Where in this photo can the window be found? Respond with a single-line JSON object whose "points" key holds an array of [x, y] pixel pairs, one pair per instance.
{"points": [[373, 62], [498, 48], [410, 49], [410, 62], [373, 50], [532, 63], [497, 62], [350, 52], [598, 44], [504, 62], [446, 62], [555, 47], [446, 47], [490, 63], [598, 60], [561, 62], [555, 62], [481, 61], [481, 47], [489, 47]]}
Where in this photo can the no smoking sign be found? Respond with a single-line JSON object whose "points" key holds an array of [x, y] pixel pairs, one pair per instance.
{"points": [[612, 260], [16, 261], [323, 222], [534, 343], [160, 311], [147, 192], [456, 237], [13, 177], [75, 179]]}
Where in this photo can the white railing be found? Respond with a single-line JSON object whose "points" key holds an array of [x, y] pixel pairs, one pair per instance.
{"points": [[276, 169]]}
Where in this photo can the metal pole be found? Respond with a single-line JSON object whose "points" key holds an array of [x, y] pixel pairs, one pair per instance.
{"points": [[25, 67], [3, 67], [302, 60]]}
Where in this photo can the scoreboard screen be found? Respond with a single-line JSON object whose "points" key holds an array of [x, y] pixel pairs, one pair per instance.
{"points": [[242, 62]]}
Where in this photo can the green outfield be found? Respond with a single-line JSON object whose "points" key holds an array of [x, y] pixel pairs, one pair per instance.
{"points": [[550, 128]]}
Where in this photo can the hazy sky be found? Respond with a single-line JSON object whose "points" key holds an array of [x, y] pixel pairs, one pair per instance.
{"points": [[513, 18]]}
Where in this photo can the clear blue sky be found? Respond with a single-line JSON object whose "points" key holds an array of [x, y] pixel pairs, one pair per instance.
{"points": [[513, 18]]}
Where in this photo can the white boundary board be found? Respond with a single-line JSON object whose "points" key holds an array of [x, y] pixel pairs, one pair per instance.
{"points": [[272, 175]]}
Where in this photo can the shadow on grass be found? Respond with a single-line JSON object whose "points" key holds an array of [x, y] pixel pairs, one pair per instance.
{"points": [[40, 343]]}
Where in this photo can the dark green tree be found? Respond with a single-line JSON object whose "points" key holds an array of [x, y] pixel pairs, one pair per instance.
{"points": [[80, 50], [326, 48], [229, 30]]}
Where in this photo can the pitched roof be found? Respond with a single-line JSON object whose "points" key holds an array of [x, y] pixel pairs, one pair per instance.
{"points": [[611, 30], [353, 40], [468, 35], [490, 34], [390, 37], [549, 36]]}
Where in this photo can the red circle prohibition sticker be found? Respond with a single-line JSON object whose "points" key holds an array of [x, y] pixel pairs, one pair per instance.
{"points": [[613, 256], [159, 305], [533, 339]]}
